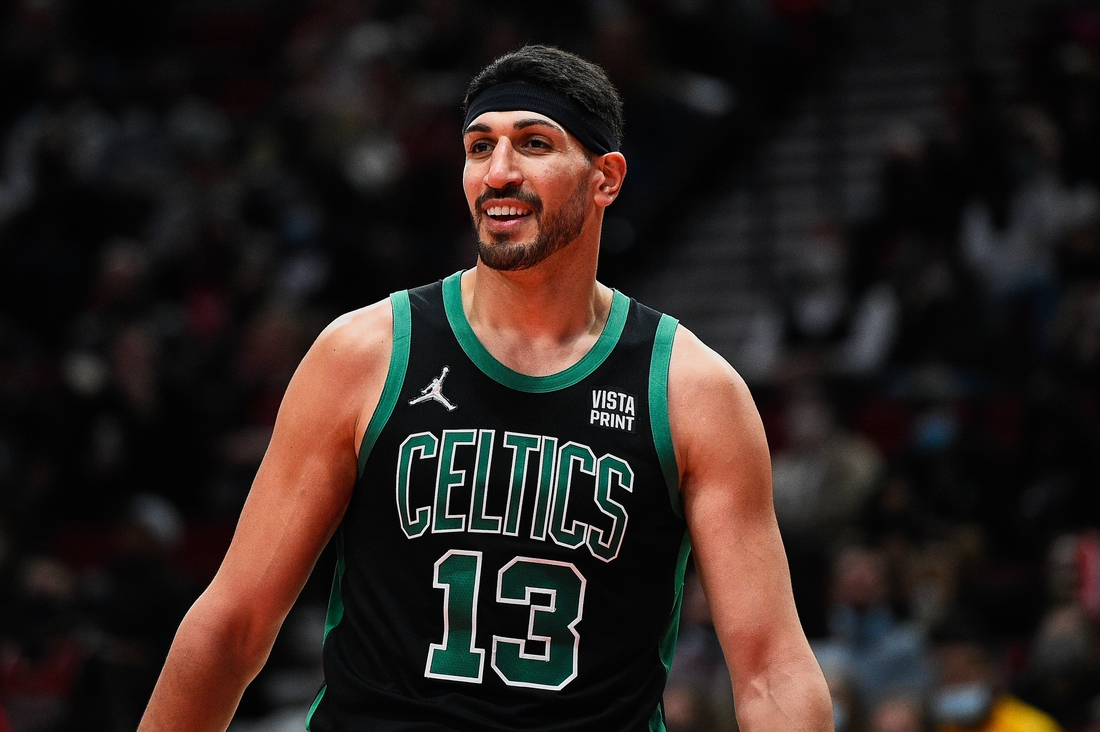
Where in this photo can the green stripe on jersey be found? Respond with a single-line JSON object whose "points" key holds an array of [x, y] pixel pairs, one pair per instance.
{"points": [[336, 596], [456, 316], [658, 408], [313, 708], [668, 642], [657, 721], [334, 616], [667, 648], [391, 389], [395, 376]]}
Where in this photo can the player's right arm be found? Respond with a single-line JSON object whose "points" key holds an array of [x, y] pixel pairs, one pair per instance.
{"points": [[297, 500]]}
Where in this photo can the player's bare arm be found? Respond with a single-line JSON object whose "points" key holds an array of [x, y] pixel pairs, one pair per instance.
{"points": [[297, 500], [726, 488], [536, 202]]}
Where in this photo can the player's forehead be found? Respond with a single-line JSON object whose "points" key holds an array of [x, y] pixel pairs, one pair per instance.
{"points": [[518, 119]]}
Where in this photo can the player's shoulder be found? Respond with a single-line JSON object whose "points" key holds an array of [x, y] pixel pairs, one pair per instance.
{"points": [[706, 395], [713, 418], [352, 327], [357, 339], [696, 368]]}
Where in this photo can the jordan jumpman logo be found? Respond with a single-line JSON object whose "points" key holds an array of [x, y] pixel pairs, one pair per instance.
{"points": [[434, 391]]}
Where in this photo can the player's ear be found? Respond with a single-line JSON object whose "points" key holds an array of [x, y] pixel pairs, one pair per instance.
{"points": [[611, 169]]}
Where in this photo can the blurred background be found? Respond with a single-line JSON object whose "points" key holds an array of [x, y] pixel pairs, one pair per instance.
{"points": [[884, 213]]}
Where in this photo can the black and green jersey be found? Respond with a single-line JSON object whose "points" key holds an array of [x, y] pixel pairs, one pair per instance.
{"points": [[513, 554]]}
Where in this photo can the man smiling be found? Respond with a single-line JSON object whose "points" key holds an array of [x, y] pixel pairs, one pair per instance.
{"points": [[503, 209], [515, 463]]}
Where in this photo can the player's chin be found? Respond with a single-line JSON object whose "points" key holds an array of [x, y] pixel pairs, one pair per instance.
{"points": [[508, 256]]}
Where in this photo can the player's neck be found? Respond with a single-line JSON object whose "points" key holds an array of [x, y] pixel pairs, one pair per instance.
{"points": [[541, 320]]}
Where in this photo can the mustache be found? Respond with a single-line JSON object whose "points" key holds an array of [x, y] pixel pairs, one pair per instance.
{"points": [[516, 194]]}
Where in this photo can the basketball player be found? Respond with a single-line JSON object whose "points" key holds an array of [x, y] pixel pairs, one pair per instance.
{"points": [[514, 463]]}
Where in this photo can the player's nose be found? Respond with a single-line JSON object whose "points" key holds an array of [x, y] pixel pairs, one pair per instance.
{"points": [[503, 169]]}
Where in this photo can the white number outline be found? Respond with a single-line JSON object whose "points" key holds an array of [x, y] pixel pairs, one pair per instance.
{"points": [[551, 608], [442, 647]]}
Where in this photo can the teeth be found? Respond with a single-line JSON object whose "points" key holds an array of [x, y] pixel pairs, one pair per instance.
{"points": [[506, 211]]}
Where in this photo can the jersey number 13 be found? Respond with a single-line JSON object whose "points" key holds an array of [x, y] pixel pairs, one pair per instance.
{"points": [[554, 592]]}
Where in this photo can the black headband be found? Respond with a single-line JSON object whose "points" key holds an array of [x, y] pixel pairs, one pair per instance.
{"points": [[568, 112]]}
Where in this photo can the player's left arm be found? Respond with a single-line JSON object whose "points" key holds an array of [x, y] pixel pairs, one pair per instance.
{"points": [[725, 483]]}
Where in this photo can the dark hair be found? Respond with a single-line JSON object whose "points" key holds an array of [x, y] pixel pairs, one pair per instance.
{"points": [[564, 72]]}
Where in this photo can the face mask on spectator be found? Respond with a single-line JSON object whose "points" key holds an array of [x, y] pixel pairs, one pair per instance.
{"points": [[840, 715], [962, 704]]}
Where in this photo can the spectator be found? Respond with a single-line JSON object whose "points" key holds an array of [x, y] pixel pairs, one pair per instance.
{"points": [[971, 694], [901, 714], [879, 655], [132, 604], [824, 474], [40, 655]]}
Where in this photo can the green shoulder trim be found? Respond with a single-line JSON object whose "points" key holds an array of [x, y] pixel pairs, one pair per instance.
{"points": [[658, 408], [395, 377], [391, 389], [456, 316]]}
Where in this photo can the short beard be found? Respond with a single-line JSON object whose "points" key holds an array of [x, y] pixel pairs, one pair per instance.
{"points": [[555, 233]]}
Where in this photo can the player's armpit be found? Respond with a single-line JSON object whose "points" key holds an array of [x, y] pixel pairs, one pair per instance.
{"points": [[298, 498], [725, 471]]}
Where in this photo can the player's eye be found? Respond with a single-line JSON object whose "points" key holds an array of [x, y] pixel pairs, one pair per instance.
{"points": [[479, 147]]}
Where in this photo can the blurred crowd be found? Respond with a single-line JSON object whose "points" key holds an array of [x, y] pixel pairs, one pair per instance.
{"points": [[189, 191], [935, 420]]}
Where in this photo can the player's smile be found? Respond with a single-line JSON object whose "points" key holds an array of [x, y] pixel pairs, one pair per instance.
{"points": [[525, 178], [545, 597], [505, 213], [502, 212], [511, 154]]}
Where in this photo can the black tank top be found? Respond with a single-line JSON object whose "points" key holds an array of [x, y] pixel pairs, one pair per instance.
{"points": [[513, 554]]}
